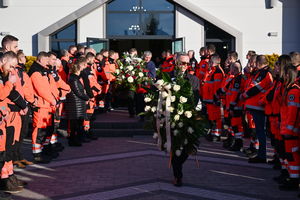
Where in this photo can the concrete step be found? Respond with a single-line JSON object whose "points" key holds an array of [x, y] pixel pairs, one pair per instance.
{"points": [[121, 132]]}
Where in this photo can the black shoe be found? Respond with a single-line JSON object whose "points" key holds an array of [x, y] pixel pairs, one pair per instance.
{"points": [[58, 147], [83, 138], [216, 138], [8, 186], [283, 175], [17, 182], [74, 143], [228, 142], [48, 151], [177, 182], [250, 152], [257, 159], [237, 145], [290, 184], [38, 158]]}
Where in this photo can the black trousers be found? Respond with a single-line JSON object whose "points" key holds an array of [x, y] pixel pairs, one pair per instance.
{"points": [[131, 102], [140, 103], [76, 127], [17, 154], [177, 163]]}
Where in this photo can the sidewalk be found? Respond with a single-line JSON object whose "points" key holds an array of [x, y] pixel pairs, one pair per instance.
{"points": [[131, 168]]}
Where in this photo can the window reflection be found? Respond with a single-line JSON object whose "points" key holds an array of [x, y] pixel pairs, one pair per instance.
{"points": [[140, 17], [64, 38]]}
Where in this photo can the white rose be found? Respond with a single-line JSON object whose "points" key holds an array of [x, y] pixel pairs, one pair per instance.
{"points": [[133, 73], [180, 112], [141, 74], [165, 94], [173, 98], [130, 68], [128, 59], [153, 109], [177, 117], [170, 109], [168, 87], [137, 60], [147, 99], [175, 132], [173, 125], [147, 108], [182, 99], [130, 79], [180, 124], [190, 130], [178, 153], [117, 71], [121, 67], [160, 82], [176, 88], [155, 135], [123, 77], [185, 141], [188, 114]]}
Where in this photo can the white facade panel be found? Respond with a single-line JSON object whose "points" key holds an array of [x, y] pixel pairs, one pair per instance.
{"points": [[91, 25], [252, 18], [25, 18], [190, 27]]}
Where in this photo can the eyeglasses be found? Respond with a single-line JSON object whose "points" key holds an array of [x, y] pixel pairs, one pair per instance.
{"points": [[184, 63]]}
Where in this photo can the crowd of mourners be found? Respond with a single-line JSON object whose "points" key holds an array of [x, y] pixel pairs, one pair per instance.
{"points": [[240, 102]]}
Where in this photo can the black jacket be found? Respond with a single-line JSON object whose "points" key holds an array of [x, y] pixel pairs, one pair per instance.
{"points": [[75, 104]]}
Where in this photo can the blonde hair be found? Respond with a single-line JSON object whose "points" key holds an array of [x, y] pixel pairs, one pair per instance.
{"points": [[76, 67]]}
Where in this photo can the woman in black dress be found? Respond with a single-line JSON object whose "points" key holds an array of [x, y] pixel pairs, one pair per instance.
{"points": [[75, 105]]}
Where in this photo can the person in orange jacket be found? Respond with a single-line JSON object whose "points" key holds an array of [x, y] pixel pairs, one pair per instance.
{"points": [[272, 101], [259, 85], [60, 89], [45, 101], [234, 106], [212, 83], [27, 94], [249, 125], [92, 88], [290, 127], [16, 104], [168, 64]]}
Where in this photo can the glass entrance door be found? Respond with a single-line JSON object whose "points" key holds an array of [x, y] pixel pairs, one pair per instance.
{"points": [[178, 45], [97, 43]]}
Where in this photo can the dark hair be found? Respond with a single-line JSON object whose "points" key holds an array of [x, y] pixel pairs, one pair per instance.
{"points": [[7, 39], [233, 54], [9, 54], [203, 49], [251, 53], [211, 48], [132, 50], [89, 55], [42, 54], [103, 51], [262, 60], [72, 46], [19, 53], [290, 76], [51, 53], [79, 46], [283, 61]]}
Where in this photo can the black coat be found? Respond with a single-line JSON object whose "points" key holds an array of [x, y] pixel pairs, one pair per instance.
{"points": [[75, 104]]}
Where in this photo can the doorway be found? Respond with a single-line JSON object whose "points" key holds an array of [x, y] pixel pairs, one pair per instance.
{"points": [[156, 46]]}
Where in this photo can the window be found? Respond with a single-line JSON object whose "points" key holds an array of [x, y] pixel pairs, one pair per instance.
{"points": [[63, 38], [140, 18]]}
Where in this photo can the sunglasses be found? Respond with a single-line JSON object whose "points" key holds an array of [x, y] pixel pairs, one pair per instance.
{"points": [[184, 63]]}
